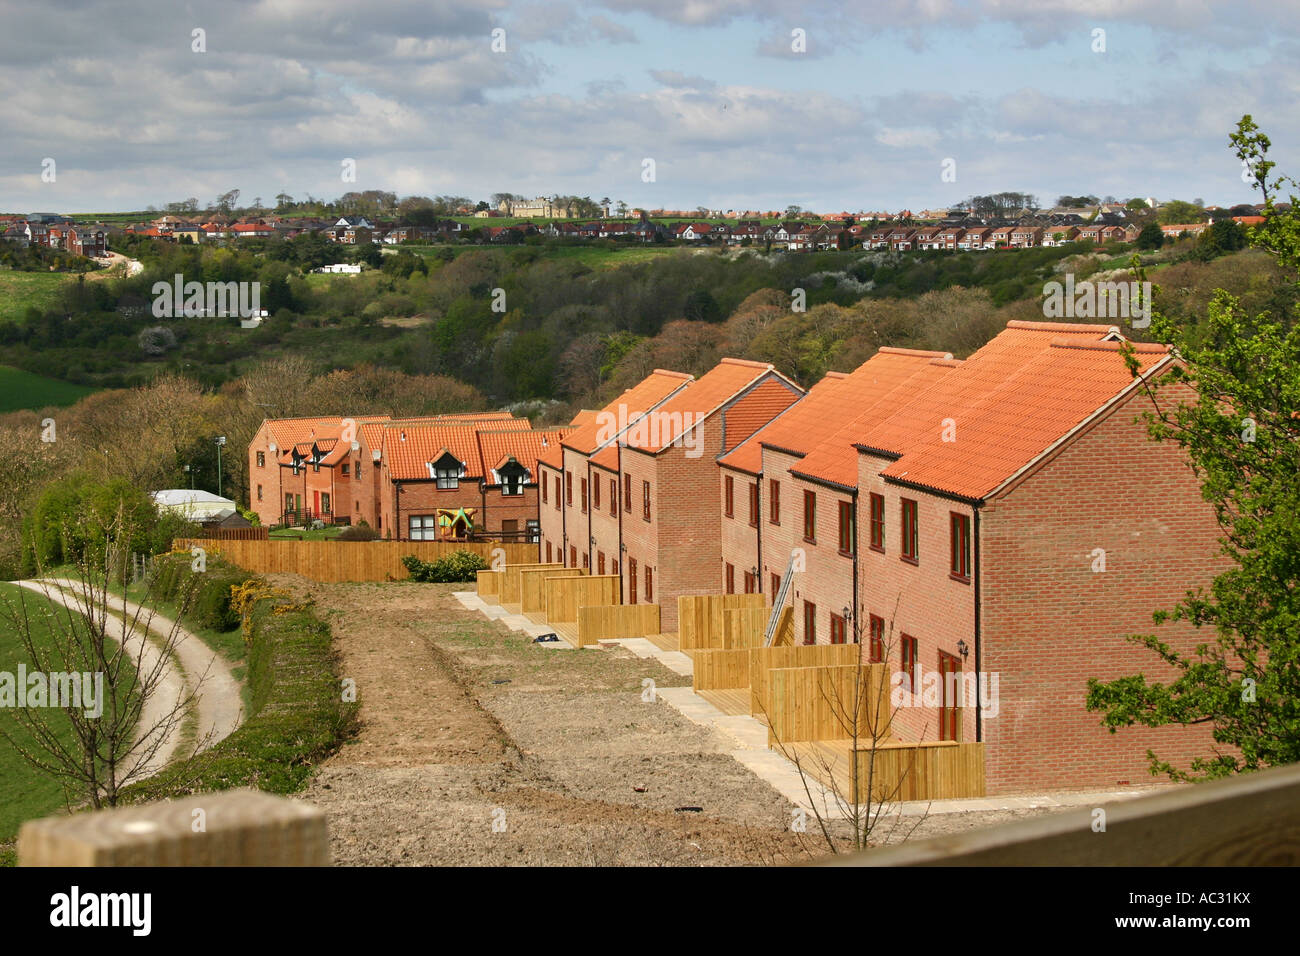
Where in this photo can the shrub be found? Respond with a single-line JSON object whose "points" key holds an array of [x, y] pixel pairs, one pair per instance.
{"points": [[358, 532], [207, 596], [457, 566]]}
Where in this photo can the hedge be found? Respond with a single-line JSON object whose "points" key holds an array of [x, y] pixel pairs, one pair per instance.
{"points": [[297, 716], [206, 596]]}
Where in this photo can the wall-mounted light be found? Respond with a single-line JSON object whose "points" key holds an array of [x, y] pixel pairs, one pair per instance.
{"points": [[962, 649]]}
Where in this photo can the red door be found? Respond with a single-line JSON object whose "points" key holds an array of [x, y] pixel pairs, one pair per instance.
{"points": [[949, 713]]}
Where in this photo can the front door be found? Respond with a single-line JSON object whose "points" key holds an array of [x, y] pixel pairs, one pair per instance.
{"points": [[949, 712]]}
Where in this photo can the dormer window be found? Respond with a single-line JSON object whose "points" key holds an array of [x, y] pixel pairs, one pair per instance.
{"points": [[446, 470]]}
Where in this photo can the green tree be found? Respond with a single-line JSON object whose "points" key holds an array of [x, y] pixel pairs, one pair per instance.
{"points": [[1151, 237], [1241, 434]]}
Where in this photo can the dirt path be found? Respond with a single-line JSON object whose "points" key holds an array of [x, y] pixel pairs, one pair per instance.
{"points": [[202, 672], [217, 692], [465, 725], [161, 734]]}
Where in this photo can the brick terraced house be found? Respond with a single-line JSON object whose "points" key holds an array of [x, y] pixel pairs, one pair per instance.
{"points": [[1013, 520]]}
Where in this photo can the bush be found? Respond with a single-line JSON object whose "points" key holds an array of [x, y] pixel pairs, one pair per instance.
{"points": [[297, 716], [458, 566], [358, 532], [206, 596]]}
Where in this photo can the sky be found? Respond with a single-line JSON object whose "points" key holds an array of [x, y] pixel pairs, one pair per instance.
{"points": [[854, 105]]}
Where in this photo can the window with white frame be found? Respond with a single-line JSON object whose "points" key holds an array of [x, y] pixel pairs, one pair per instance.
{"points": [[423, 527]]}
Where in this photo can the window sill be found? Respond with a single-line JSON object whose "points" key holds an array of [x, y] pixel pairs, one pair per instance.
{"points": [[847, 554], [961, 578], [906, 560]]}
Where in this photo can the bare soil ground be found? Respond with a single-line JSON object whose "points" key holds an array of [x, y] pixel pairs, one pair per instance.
{"points": [[478, 747]]}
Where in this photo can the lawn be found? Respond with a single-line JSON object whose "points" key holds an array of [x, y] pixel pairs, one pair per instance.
{"points": [[328, 533], [25, 793], [20, 291], [19, 389]]}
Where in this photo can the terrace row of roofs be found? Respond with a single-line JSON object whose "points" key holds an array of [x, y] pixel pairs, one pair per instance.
{"points": [[421, 478], [1004, 518]]}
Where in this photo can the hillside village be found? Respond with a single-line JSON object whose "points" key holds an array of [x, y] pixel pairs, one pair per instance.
{"points": [[955, 229]]}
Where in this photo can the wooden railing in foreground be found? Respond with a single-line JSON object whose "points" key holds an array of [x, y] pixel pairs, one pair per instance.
{"points": [[347, 560], [598, 623], [1249, 820], [228, 828]]}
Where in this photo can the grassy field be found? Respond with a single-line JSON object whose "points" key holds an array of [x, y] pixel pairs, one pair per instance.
{"points": [[20, 291], [19, 389], [25, 793]]}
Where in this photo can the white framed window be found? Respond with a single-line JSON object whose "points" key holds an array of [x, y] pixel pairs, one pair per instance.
{"points": [[423, 527], [448, 478]]}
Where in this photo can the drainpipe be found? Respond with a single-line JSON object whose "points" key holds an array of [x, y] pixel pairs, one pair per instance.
{"points": [[591, 508], [979, 724], [397, 508], [618, 480], [857, 545], [758, 534]]}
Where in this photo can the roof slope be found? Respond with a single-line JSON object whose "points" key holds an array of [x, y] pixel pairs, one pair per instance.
{"points": [[1021, 416], [525, 446], [834, 458], [700, 399], [822, 412], [409, 447], [627, 407]]}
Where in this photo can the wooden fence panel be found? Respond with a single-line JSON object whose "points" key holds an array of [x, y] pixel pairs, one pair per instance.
{"points": [[488, 586], [511, 584], [763, 660], [565, 595], [348, 560], [699, 617], [608, 622], [816, 703], [532, 596], [743, 627], [928, 770], [717, 669]]}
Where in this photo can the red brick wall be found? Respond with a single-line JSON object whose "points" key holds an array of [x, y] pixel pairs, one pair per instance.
{"points": [[604, 526], [575, 519], [827, 580], [268, 476], [552, 517], [1050, 622], [739, 539], [921, 600], [778, 539]]}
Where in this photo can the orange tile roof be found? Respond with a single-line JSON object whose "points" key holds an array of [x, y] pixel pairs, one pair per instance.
{"points": [[832, 402], [834, 458], [1001, 356], [525, 447], [699, 399], [553, 455], [1020, 416], [787, 428], [762, 404], [637, 400], [408, 447], [288, 431]]}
